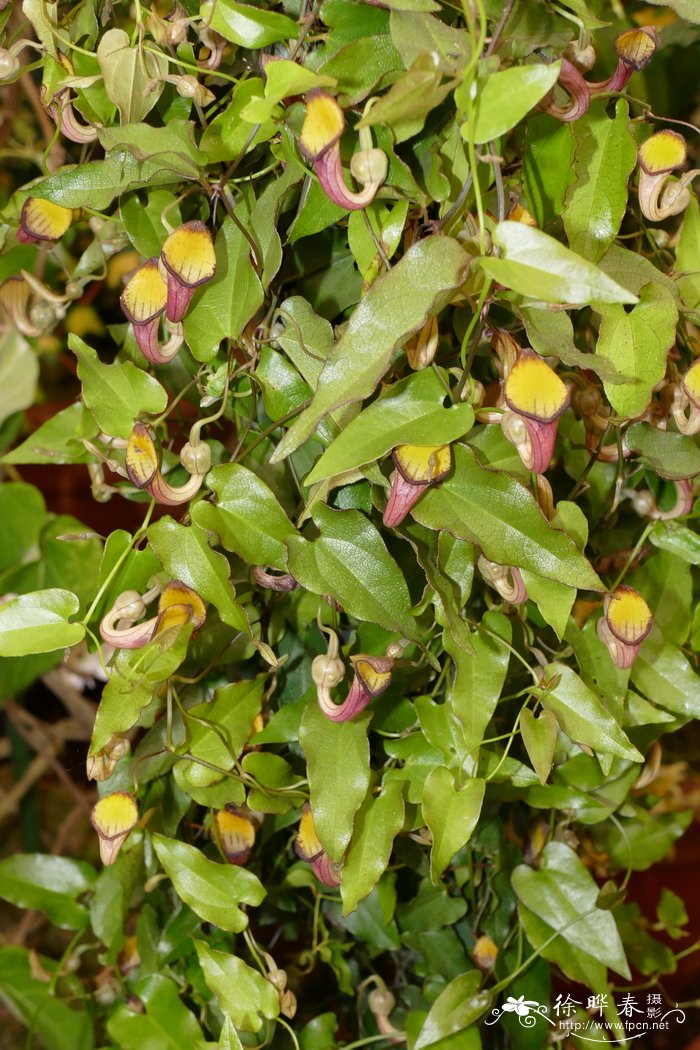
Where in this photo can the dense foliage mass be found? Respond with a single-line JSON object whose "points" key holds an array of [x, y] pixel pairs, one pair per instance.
{"points": [[375, 323]]}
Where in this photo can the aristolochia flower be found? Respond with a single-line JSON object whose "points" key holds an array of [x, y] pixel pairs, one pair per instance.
{"points": [[625, 623], [308, 846], [142, 464], [101, 765], [43, 221], [189, 261], [536, 397], [235, 833], [577, 90], [320, 143], [178, 604], [417, 468], [143, 302], [113, 817], [685, 407], [659, 195], [635, 48], [506, 579]]}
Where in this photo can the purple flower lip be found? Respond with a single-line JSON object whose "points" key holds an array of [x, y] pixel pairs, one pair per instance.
{"points": [[417, 467], [573, 83], [635, 48]]}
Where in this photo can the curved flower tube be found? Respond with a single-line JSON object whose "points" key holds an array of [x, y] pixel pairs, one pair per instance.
{"points": [[143, 468], [113, 817], [506, 579], [644, 502], [307, 845], [660, 197], [143, 301], [235, 834], [320, 143], [15, 294], [42, 221], [573, 83], [372, 677], [178, 604], [189, 261], [381, 1002], [61, 111], [421, 350], [635, 48], [536, 397], [625, 623], [275, 581], [685, 406], [417, 468]]}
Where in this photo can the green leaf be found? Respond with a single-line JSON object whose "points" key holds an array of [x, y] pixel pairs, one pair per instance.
{"points": [[132, 76], [213, 891], [247, 518], [228, 302], [479, 678], [361, 65], [37, 623], [451, 814], [160, 1021], [509, 95], [249, 27], [243, 993], [19, 371], [678, 540], [561, 891], [540, 739], [554, 600], [175, 140], [604, 156], [457, 1007], [411, 413], [51, 884], [582, 716], [637, 343], [576, 964], [350, 562], [408, 101], [282, 79], [663, 674], [116, 393], [22, 512], [551, 333], [416, 33], [96, 184], [28, 998], [228, 134], [229, 1039], [337, 757], [668, 454], [377, 823], [549, 150], [144, 224], [397, 305], [497, 513], [537, 265], [58, 440], [185, 554], [133, 677], [230, 716]]}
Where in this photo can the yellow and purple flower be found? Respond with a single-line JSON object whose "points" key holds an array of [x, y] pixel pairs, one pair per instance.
{"points": [[417, 468], [320, 143], [113, 817], [685, 406], [189, 261], [142, 463], [625, 623], [634, 48], [178, 604], [308, 846], [143, 301], [235, 834], [659, 195], [43, 221], [536, 397]]}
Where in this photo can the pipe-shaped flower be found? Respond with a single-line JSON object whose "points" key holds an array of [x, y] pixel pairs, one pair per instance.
{"points": [[536, 397], [15, 295], [625, 623], [372, 677], [189, 261], [235, 834], [573, 83], [635, 48], [178, 604], [685, 406], [644, 502], [43, 221], [113, 817], [60, 109], [307, 845], [506, 579], [143, 301], [102, 765], [320, 143], [417, 468], [659, 196], [142, 463], [275, 581]]}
